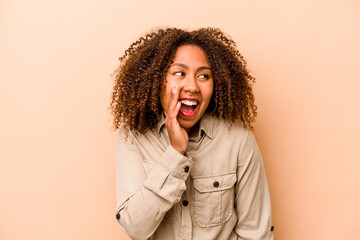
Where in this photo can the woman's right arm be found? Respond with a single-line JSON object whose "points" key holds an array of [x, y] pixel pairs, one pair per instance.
{"points": [[142, 201]]}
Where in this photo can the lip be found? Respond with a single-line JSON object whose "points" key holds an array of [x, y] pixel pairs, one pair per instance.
{"points": [[189, 114]]}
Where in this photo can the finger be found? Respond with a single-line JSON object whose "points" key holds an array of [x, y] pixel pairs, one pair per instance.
{"points": [[174, 98], [177, 108], [172, 101], [173, 120]]}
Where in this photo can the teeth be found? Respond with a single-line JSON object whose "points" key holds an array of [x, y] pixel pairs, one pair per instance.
{"points": [[188, 102]]}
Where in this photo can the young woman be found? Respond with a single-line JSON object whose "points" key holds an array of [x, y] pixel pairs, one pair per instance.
{"points": [[187, 163]]}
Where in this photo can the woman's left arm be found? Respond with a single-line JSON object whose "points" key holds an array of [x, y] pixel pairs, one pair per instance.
{"points": [[252, 197]]}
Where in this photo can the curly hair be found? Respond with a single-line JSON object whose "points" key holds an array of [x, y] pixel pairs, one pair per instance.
{"points": [[143, 67]]}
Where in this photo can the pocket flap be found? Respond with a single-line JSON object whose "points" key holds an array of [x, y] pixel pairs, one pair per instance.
{"points": [[215, 182]]}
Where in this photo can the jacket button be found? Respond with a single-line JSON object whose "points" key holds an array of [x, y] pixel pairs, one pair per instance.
{"points": [[186, 169], [118, 216], [272, 228], [185, 203], [216, 184]]}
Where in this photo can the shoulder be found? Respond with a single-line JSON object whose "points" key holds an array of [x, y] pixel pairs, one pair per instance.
{"points": [[124, 138], [233, 130], [234, 134], [128, 137], [124, 133]]}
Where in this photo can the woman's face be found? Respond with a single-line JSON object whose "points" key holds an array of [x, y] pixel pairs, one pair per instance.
{"points": [[190, 72]]}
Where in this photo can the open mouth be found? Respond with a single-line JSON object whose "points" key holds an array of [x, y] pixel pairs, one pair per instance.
{"points": [[188, 107]]}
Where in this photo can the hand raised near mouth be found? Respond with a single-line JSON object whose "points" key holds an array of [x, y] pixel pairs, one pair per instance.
{"points": [[178, 135]]}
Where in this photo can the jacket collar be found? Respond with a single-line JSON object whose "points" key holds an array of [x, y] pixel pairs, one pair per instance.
{"points": [[206, 126]]}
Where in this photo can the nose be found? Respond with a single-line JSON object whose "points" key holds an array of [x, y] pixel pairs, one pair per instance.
{"points": [[191, 85]]}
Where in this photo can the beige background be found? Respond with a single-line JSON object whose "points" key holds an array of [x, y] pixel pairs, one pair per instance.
{"points": [[56, 144]]}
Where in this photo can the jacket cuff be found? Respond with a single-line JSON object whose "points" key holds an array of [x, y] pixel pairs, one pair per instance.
{"points": [[177, 164]]}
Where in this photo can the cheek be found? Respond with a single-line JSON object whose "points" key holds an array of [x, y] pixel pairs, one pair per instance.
{"points": [[169, 84], [208, 91]]}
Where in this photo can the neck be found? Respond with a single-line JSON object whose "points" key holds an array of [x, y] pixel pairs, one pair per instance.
{"points": [[193, 131]]}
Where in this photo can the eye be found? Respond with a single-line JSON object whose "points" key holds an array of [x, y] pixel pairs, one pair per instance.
{"points": [[179, 74], [205, 76]]}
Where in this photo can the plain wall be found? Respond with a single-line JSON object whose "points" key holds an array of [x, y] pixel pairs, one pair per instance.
{"points": [[56, 144]]}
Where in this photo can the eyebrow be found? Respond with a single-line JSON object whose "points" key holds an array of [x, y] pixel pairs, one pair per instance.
{"points": [[186, 67]]}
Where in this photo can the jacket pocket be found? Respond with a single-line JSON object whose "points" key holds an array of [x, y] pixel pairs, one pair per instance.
{"points": [[214, 199]]}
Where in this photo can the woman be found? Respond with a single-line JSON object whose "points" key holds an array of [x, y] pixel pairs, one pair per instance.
{"points": [[187, 165]]}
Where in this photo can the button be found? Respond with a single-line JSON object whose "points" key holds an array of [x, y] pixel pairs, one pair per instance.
{"points": [[186, 169], [185, 203], [272, 228], [216, 184], [118, 216]]}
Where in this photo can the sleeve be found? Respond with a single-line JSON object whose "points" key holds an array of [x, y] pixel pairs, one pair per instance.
{"points": [[142, 201], [252, 197]]}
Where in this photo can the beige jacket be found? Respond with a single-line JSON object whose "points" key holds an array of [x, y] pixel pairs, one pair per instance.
{"points": [[216, 190]]}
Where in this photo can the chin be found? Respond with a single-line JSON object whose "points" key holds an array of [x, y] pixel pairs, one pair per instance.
{"points": [[186, 123]]}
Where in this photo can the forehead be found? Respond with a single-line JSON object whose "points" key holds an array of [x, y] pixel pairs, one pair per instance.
{"points": [[191, 55]]}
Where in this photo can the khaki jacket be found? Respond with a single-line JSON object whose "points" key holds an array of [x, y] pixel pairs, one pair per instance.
{"points": [[216, 190]]}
